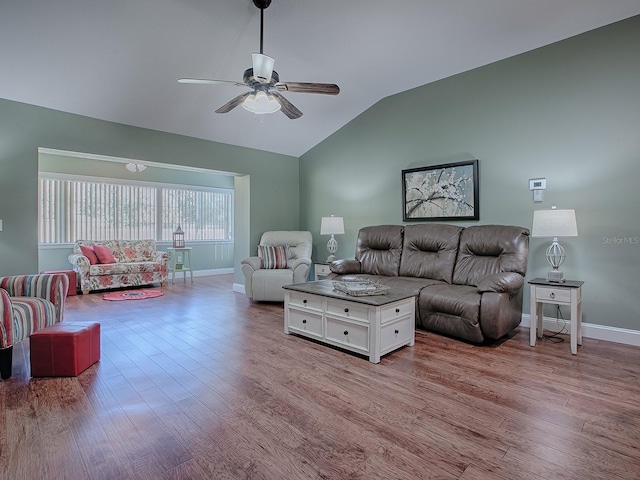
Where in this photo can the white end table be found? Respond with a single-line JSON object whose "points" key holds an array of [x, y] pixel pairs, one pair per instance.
{"points": [[567, 293], [184, 255], [320, 271]]}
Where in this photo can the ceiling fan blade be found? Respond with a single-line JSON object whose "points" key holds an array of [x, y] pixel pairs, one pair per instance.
{"points": [[306, 87], [288, 108], [233, 103], [205, 81]]}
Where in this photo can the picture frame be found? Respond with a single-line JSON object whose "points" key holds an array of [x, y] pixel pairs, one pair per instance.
{"points": [[441, 192]]}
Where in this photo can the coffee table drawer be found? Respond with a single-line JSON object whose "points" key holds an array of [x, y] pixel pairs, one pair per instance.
{"points": [[351, 335], [551, 294], [305, 322], [397, 310], [395, 334], [305, 301], [350, 310]]}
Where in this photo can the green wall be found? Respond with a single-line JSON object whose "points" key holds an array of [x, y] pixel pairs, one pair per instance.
{"points": [[568, 112], [25, 128]]}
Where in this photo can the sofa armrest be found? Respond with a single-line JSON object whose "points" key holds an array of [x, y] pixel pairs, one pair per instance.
{"points": [[345, 266], [6, 320], [504, 282], [300, 267], [50, 286], [252, 262], [293, 264], [80, 261], [160, 257]]}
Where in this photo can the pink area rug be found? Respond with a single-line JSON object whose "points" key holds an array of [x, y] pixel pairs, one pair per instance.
{"points": [[132, 295]]}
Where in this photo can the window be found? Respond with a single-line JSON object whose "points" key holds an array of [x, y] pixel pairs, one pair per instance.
{"points": [[71, 209]]}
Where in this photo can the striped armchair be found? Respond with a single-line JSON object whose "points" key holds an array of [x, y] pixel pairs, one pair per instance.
{"points": [[28, 303]]}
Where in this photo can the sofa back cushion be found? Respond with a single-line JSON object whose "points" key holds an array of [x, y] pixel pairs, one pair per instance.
{"points": [[112, 245], [430, 251], [379, 249], [489, 249], [136, 251], [299, 243]]}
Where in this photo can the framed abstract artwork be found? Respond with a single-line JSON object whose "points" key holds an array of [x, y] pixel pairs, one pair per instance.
{"points": [[441, 192]]}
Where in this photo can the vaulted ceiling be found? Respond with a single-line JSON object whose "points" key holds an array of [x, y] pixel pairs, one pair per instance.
{"points": [[119, 60]]}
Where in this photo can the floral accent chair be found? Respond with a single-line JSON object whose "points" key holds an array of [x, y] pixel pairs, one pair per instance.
{"points": [[28, 303], [124, 263]]}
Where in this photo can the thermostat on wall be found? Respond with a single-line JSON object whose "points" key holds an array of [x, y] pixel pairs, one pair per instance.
{"points": [[538, 184]]}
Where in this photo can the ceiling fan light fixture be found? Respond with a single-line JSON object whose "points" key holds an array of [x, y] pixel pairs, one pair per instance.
{"points": [[261, 103], [262, 67], [135, 167]]}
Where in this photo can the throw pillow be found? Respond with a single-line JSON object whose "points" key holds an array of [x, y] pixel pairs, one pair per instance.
{"points": [[87, 251], [103, 254], [273, 256]]}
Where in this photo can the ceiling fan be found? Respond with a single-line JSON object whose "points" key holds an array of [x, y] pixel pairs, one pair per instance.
{"points": [[265, 85]]}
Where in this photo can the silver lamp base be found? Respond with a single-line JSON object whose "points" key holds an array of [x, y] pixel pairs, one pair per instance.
{"points": [[555, 257], [555, 276], [332, 246]]}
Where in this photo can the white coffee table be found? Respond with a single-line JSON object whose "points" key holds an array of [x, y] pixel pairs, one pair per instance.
{"points": [[369, 325]]}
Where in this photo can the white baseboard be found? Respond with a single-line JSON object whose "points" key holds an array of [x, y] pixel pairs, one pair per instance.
{"points": [[591, 330], [237, 287], [213, 271]]}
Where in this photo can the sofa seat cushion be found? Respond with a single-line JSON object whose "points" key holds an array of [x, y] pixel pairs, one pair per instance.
{"points": [[451, 309], [125, 268], [31, 314], [412, 285]]}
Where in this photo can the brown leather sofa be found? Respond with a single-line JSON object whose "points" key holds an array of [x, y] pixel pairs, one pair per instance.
{"points": [[467, 281]]}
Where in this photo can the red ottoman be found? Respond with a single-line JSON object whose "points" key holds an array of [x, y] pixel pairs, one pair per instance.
{"points": [[65, 349], [73, 286]]}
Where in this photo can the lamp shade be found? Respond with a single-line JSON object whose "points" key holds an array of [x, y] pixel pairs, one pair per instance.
{"points": [[554, 223], [331, 225]]}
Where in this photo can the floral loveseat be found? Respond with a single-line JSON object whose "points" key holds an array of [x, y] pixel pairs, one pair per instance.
{"points": [[132, 262]]}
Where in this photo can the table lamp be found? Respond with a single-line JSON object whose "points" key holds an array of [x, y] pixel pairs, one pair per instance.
{"points": [[332, 226], [555, 223]]}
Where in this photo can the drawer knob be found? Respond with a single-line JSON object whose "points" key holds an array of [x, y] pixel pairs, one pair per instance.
{"points": [[396, 331], [397, 310], [304, 301], [346, 332], [552, 295], [346, 310], [304, 321]]}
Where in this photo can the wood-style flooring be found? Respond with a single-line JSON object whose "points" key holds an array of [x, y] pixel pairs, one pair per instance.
{"points": [[203, 384]]}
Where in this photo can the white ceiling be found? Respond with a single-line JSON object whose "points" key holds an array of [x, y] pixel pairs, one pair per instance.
{"points": [[119, 60]]}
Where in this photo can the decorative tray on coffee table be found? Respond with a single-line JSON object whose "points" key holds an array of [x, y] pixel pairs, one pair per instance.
{"points": [[360, 287]]}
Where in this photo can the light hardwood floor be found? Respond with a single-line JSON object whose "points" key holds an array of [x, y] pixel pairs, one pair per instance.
{"points": [[203, 384]]}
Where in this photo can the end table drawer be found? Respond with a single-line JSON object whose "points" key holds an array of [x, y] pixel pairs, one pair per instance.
{"points": [[306, 323], [552, 294], [350, 335]]}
